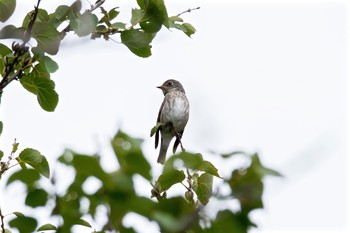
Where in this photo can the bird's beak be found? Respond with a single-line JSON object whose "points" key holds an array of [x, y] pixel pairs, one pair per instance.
{"points": [[161, 87]]}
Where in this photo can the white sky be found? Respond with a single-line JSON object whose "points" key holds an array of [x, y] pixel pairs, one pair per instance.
{"points": [[265, 76]]}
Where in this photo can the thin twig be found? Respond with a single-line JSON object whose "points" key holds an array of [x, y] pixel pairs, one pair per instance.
{"points": [[188, 11], [2, 221], [22, 48]]}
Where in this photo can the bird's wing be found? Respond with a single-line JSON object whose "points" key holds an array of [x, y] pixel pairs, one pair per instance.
{"points": [[158, 120]]}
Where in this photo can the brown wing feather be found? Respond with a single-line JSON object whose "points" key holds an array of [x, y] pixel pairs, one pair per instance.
{"points": [[158, 120]]}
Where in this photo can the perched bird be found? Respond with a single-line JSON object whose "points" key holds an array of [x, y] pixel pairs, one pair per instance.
{"points": [[173, 116]]}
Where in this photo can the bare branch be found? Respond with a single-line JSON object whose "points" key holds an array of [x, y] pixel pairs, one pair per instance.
{"points": [[188, 11]]}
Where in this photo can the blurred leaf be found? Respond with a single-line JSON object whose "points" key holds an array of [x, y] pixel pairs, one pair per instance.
{"points": [[208, 167], [47, 227], [190, 160], [142, 205], [1, 155], [175, 215], [261, 170], [137, 42], [203, 187], [119, 25], [62, 12], [76, 6], [84, 223], [18, 214], [42, 16], [84, 24], [7, 7], [10, 31], [226, 221], [36, 160], [43, 88], [24, 224], [127, 230], [1, 126], [247, 187], [47, 36], [130, 156], [4, 50], [169, 178], [36, 197], [27, 176], [228, 155], [88, 166], [15, 146]]}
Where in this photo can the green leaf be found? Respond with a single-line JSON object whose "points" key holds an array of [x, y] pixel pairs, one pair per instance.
{"points": [[36, 160], [190, 160], [84, 24], [137, 42], [226, 221], [155, 128], [169, 178], [43, 88], [1, 154], [88, 166], [1, 126], [261, 170], [10, 31], [154, 15], [177, 22], [24, 224], [119, 25], [47, 36], [26, 176], [36, 197], [208, 167], [7, 7], [4, 50], [84, 223], [130, 156], [234, 153], [47, 227], [18, 214], [203, 187], [42, 16], [51, 65], [175, 215], [136, 16]]}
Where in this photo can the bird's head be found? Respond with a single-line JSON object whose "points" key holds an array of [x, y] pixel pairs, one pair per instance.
{"points": [[171, 85]]}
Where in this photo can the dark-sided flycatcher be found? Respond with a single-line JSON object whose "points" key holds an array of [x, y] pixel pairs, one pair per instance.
{"points": [[173, 114]]}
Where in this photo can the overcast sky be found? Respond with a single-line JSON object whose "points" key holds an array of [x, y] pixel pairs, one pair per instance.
{"points": [[261, 76]]}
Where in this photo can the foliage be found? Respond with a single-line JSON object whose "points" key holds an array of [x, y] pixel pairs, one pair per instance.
{"points": [[117, 194], [32, 66]]}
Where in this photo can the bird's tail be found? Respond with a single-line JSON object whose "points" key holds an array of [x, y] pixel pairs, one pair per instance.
{"points": [[163, 149]]}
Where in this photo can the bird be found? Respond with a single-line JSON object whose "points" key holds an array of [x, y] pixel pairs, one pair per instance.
{"points": [[173, 116]]}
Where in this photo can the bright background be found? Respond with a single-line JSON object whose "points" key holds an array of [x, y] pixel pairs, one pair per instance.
{"points": [[261, 76]]}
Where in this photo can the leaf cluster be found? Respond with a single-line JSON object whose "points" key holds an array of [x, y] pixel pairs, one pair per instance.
{"points": [[32, 65], [116, 191]]}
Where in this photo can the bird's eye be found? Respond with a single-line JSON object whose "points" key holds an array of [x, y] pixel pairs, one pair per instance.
{"points": [[170, 83]]}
